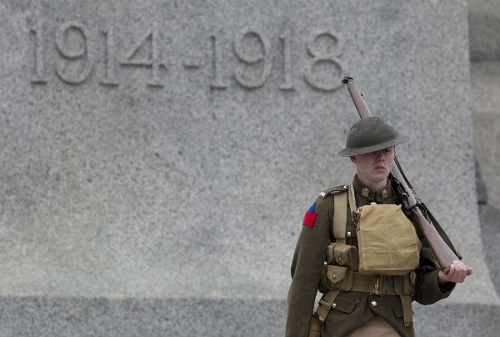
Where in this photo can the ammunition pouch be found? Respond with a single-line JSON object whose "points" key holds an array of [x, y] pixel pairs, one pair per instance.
{"points": [[336, 277], [341, 259], [342, 255]]}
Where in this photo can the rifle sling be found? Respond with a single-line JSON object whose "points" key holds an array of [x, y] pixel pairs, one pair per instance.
{"points": [[431, 217]]}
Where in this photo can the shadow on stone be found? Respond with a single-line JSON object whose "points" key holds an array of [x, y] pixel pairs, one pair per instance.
{"points": [[488, 221], [488, 216]]}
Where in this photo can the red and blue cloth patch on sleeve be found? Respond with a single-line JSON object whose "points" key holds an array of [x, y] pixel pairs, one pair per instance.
{"points": [[310, 216]]}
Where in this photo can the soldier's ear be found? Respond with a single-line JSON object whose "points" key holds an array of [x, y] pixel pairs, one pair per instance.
{"points": [[353, 159]]}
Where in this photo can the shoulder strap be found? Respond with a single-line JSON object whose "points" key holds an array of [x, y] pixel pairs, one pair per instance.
{"points": [[339, 226], [339, 215]]}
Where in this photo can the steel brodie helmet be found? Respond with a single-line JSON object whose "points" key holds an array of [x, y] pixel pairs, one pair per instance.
{"points": [[369, 135]]}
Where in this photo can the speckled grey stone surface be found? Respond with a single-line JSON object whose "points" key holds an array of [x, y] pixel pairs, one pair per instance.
{"points": [[161, 154], [48, 317]]}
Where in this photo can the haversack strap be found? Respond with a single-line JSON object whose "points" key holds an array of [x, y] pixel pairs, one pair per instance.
{"points": [[352, 199], [339, 216]]}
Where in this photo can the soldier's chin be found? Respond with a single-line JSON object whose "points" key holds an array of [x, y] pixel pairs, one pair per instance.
{"points": [[381, 172]]}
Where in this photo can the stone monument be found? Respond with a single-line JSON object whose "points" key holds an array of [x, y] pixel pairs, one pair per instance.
{"points": [[157, 156]]}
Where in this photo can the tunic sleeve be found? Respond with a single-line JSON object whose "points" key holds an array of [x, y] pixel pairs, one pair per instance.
{"points": [[306, 267]]}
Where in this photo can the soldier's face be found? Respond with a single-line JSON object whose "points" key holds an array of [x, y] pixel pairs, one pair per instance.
{"points": [[374, 167]]}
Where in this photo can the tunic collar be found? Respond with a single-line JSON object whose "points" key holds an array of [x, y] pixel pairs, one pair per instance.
{"points": [[372, 196]]}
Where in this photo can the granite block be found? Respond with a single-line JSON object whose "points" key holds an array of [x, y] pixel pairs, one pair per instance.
{"points": [[167, 150], [100, 317]]}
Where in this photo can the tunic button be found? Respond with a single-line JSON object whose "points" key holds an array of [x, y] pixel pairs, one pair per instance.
{"points": [[349, 234], [374, 303], [334, 305]]}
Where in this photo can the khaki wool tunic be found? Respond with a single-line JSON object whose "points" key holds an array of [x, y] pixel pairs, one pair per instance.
{"points": [[352, 309]]}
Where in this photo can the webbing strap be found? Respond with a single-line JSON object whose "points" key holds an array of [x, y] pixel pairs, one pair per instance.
{"points": [[325, 304], [377, 284], [352, 199], [339, 226], [339, 216], [407, 310]]}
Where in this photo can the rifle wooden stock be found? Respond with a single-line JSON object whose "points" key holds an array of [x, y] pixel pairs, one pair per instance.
{"points": [[443, 253]]}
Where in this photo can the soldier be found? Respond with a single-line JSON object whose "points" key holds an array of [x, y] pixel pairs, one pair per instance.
{"points": [[355, 303]]}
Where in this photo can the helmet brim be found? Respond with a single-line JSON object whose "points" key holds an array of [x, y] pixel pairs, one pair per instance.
{"points": [[347, 152]]}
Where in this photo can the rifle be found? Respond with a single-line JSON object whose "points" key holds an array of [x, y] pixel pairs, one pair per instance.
{"points": [[440, 244]]}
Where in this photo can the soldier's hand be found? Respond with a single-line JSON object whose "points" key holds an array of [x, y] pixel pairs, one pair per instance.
{"points": [[456, 273]]}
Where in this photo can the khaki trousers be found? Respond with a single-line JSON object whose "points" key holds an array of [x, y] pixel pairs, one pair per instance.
{"points": [[377, 327]]}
